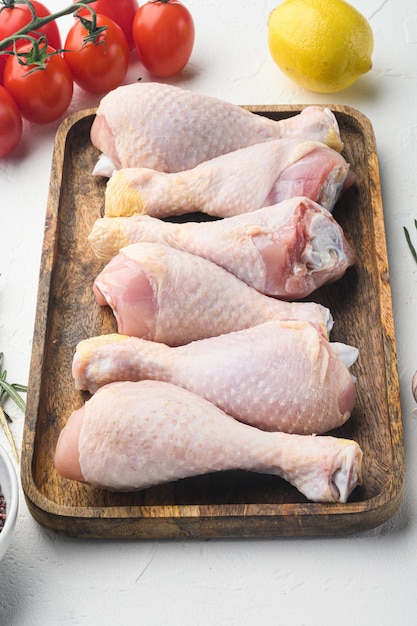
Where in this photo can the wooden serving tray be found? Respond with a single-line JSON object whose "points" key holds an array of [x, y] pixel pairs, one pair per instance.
{"points": [[228, 504]]}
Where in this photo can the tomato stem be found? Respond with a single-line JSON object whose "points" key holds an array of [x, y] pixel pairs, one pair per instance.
{"points": [[36, 56], [38, 22], [8, 4], [91, 27]]}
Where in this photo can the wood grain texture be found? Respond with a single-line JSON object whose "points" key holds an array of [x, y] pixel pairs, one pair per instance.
{"points": [[228, 504]]}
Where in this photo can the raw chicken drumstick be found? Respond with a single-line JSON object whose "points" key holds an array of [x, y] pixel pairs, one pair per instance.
{"points": [[131, 436], [171, 129], [287, 250], [167, 295], [276, 376], [233, 183]]}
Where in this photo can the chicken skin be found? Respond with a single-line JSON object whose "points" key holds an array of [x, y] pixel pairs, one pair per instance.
{"points": [[276, 376], [170, 129], [157, 292], [260, 175], [286, 250], [131, 436]]}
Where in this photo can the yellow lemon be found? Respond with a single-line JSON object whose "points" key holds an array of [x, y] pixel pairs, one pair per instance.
{"points": [[323, 45]]}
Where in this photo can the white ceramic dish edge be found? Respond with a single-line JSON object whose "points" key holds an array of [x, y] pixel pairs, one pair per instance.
{"points": [[10, 489]]}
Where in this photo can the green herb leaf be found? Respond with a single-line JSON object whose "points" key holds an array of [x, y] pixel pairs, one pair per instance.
{"points": [[410, 244], [12, 391]]}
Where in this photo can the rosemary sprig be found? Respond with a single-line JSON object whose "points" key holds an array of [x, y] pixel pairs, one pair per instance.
{"points": [[12, 391], [410, 244], [9, 434]]}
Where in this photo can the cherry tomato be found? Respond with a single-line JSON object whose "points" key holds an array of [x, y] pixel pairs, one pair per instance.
{"points": [[163, 32], [10, 123], [42, 95], [121, 11], [16, 17], [100, 65]]}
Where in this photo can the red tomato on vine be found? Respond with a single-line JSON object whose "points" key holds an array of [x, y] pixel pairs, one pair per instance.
{"points": [[120, 11], [102, 63], [15, 17], [10, 123], [42, 87], [163, 32]]}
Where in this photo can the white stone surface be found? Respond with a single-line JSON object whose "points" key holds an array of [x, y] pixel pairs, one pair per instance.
{"points": [[368, 578]]}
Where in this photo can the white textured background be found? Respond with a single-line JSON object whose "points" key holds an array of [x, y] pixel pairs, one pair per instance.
{"points": [[368, 578]]}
